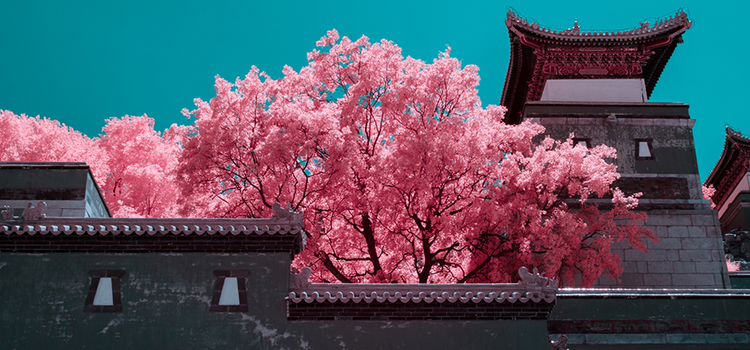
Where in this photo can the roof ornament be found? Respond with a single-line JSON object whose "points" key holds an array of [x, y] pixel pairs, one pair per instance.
{"points": [[535, 279], [575, 30], [287, 213], [300, 280], [32, 213], [612, 119], [7, 213], [644, 24], [560, 344]]}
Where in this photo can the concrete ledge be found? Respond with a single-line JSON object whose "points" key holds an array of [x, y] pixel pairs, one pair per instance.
{"points": [[650, 338], [652, 293]]}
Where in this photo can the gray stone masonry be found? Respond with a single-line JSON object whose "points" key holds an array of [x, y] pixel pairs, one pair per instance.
{"points": [[689, 253]]}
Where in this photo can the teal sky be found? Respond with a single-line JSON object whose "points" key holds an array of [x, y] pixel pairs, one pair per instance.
{"points": [[81, 62]]}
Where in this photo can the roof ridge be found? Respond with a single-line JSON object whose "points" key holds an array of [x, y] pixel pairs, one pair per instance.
{"points": [[736, 135], [680, 18]]}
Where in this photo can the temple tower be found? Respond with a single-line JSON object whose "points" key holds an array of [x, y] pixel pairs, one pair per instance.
{"points": [[597, 85]]}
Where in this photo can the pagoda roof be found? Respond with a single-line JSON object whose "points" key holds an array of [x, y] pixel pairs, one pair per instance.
{"points": [[670, 26], [539, 53], [731, 167]]}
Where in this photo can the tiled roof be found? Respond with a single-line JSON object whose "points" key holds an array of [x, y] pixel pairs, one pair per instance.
{"points": [[139, 227], [285, 221], [532, 287], [679, 21], [417, 293]]}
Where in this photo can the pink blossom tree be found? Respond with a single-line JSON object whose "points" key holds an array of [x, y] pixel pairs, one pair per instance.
{"points": [[141, 178], [35, 139], [132, 163], [402, 174]]}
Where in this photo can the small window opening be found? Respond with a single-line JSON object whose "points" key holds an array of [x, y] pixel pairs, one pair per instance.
{"points": [[104, 292], [585, 142], [643, 149], [230, 293]]}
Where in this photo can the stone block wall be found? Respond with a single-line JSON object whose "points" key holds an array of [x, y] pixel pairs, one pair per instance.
{"points": [[689, 254], [660, 319]]}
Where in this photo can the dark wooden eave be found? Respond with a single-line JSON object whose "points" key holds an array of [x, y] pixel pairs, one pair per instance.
{"points": [[531, 42], [731, 167]]}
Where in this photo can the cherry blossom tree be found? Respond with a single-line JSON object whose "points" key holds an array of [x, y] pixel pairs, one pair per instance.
{"points": [[132, 163], [141, 178], [402, 174], [35, 139]]}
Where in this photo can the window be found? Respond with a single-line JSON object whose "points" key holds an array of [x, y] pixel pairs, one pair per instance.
{"points": [[583, 142], [230, 294], [104, 292], [643, 149]]}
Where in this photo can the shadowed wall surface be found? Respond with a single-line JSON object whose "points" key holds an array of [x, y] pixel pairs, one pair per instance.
{"points": [[166, 299]]}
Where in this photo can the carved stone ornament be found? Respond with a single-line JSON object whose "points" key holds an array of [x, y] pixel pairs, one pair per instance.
{"points": [[287, 213], [300, 280], [32, 213], [560, 344], [7, 213], [535, 279]]}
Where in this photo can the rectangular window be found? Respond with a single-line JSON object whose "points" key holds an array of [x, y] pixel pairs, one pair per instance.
{"points": [[643, 149], [230, 293], [585, 142], [104, 292]]}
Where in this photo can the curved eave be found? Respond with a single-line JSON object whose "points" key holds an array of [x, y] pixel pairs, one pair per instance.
{"points": [[733, 143], [721, 165], [656, 64], [514, 94]]}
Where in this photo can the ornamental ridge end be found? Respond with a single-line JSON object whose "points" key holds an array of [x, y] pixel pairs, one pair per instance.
{"points": [[287, 213]]}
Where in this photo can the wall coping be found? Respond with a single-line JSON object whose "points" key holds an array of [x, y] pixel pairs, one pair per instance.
{"points": [[532, 287], [284, 222], [643, 293], [150, 227]]}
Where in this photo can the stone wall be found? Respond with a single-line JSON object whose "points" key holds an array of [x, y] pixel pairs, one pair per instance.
{"points": [[666, 319], [166, 300], [688, 255]]}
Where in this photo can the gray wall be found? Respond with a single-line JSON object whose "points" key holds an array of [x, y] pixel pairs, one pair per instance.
{"points": [[166, 298]]}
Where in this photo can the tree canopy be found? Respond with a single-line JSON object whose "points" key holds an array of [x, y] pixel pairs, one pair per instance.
{"points": [[401, 173]]}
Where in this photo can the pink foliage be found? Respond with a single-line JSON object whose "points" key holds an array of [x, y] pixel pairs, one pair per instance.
{"points": [[402, 174], [708, 194], [140, 182], [132, 163], [733, 266], [34, 139]]}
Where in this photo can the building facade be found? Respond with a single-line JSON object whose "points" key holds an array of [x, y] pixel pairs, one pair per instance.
{"points": [[596, 86], [72, 277]]}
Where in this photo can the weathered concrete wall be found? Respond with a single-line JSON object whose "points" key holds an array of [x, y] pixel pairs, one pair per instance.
{"points": [[667, 126], [673, 148], [166, 299]]}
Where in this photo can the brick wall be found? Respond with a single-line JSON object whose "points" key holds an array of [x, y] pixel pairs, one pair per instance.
{"points": [[689, 253], [419, 311], [165, 242]]}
